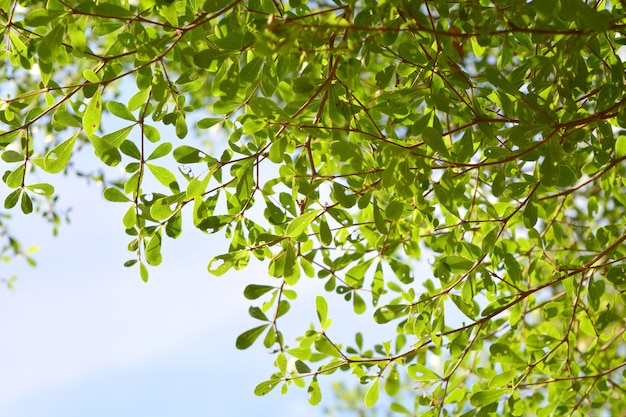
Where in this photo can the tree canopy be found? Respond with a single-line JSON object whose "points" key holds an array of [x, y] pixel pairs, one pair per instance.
{"points": [[359, 139]]}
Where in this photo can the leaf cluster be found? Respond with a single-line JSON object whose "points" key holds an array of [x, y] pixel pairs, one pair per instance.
{"points": [[360, 138]]}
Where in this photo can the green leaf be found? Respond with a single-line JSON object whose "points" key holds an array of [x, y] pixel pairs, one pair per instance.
{"points": [[15, 178], [12, 156], [358, 303], [120, 110], [129, 148], [302, 367], [181, 126], [300, 224], [153, 250], [58, 157], [254, 291], [315, 394], [105, 151], [27, 204], [113, 10], [237, 260], [138, 99], [42, 17], [371, 395], [266, 386], [93, 114], [390, 312], [620, 146], [174, 226], [160, 151], [115, 195], [422, 373], [257, 313], [51, 44], [322, 345], [617, 276], [356, 275], [266, 108], [208, 122], [379, 222], [163, 175], [549, 171], [115, 139], [11, 200], [197, 186], [326, 237], [205, 58], [531, 214], [247, 338], [188, 155], [486, 397], [434, 140], [143, 272], [41, 189], [321, 307]]}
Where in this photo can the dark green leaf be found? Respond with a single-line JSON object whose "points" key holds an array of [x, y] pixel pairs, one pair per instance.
{"points": [[247, 338], [11, 200], [26, 204], [254, 291]]}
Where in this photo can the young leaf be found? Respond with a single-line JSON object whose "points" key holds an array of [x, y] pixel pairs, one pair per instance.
{"points": [[322, 309], [371, 395], [143, 272], [315, 394], [153, 250], [58, 157], [300, 224], [93, 114]]}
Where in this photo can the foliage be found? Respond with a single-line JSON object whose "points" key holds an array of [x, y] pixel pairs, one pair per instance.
{"points": [[362, 137]]}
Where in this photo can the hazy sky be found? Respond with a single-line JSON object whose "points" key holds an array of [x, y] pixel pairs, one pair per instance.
{"points": [[81, 335]]}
